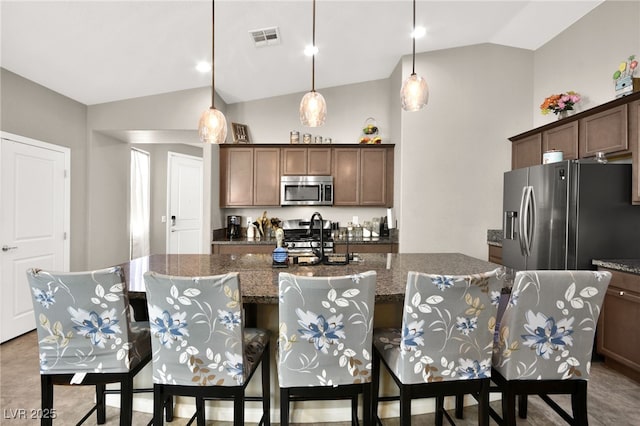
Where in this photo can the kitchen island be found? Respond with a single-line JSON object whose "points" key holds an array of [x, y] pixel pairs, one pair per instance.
{"points": [[259, 288]]}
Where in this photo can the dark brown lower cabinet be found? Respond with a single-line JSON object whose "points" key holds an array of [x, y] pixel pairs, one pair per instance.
{"points": [[618, 335]]}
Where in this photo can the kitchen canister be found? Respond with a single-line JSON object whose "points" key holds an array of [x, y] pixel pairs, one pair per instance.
{"points": [[294, 137], [306, 138], [318, 139], [552, 156]]}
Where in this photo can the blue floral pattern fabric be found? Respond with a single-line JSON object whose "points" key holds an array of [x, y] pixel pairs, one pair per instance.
{"points": [[83, 322], [548, 326], [197, 331], [448, 324], [325, 332]]}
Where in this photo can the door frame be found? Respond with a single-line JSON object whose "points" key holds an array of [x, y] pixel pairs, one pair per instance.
{"points": [[67, 185], [170, 156]]}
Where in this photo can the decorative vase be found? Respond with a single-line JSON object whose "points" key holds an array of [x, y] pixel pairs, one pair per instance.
{"points": [[563, 114]]}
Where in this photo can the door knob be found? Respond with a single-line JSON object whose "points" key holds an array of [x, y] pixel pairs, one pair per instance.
{"points": [[7, 248]]}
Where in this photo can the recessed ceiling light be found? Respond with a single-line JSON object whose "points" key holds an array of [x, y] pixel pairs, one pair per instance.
{"points": [[203, 66], [419, 32], [311, 50]]}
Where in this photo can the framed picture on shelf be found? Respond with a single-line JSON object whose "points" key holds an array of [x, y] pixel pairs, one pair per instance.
{"points": [[240, 133]]}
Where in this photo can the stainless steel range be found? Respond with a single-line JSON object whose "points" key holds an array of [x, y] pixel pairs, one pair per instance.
{"points": [[300, 241]]}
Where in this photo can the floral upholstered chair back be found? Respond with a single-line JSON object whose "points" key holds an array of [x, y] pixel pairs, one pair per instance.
{"points": [[197, 330], [326, 326], [447, 331], [548, 326], [83, 322]]}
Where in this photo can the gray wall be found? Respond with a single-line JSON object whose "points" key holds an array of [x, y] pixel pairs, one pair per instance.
{"points": [[31, 110], [455, 150]]}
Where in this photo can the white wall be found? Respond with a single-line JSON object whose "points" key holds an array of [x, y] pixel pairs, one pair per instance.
{"points": [[455, 150], [584, 57], [270, 120]]}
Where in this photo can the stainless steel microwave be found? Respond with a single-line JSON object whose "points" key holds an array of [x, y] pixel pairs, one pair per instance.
{"points": [[306, 190]]}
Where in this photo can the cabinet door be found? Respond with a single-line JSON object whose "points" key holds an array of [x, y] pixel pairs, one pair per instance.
{"points": [[266, 177], [346, 172], [373, 174], [526, 152], [605, 132], [634, 141], [562, 138], [618, 334], [294, 161], [319, 161], [236, 177]]}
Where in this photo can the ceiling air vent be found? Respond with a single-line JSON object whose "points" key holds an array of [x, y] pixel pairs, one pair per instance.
{"points": [[265, 36]]}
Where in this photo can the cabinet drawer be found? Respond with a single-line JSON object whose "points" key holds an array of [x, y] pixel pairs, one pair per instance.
{"points": [[624, 281]]}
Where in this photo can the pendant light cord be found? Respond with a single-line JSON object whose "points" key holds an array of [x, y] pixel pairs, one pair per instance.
{"points": [[313, 57], [413, 36], [213, 51]]}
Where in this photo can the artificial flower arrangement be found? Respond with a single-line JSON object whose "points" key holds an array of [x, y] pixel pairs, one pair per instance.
{"points": [[559, 103]]}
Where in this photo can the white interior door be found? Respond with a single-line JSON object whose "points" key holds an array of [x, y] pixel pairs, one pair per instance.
{"points": [[184, 211], [34, 223]]}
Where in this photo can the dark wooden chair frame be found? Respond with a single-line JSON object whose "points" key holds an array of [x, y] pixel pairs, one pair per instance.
{"points": [[163, 393], [99, 380], [324, 393], [543, 388], [479, 388]]}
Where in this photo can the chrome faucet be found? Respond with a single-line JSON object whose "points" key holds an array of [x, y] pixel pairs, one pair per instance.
{"points": [[319, 254]]}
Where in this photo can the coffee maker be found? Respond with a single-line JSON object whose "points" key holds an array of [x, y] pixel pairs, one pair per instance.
{"points": [[233, 227]]}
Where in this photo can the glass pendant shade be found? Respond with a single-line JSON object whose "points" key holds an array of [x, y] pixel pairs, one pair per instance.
{"points": [[212, 127], [414, 93], [313, 109]]}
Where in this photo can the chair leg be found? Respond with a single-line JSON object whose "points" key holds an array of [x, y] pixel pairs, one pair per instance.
{"points": [[483, 404], [354, 410], [284, 407], [366, 405], [200, 412], [168, 408], [405, 405], [579, 404], [101, 411], [158, 403], [522, 406], [126, 401], [508, 406], [375, 383], [439, 410], [46, 392], [460, 406], [238, 410], [266, 387]]}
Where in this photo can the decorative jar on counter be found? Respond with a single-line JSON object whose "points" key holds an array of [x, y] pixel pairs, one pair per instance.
{"points": [[294, 137], [306, 138]]}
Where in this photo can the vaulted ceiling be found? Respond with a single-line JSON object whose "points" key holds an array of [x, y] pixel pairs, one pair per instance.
{"points": [[102, 51]]}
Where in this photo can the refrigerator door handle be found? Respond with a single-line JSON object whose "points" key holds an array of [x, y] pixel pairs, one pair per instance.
{"points": [[521, 222], [531, 205], [528, 220]]}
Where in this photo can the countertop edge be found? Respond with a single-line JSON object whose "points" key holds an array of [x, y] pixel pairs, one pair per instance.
{"points": [[631, 266]]}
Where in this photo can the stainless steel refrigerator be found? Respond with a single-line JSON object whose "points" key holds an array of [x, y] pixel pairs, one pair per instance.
{"points": [[563, 215]]}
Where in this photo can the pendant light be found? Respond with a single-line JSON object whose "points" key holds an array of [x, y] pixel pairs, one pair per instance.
{"points": [[212, 127], [414, 92], [313, 108]]}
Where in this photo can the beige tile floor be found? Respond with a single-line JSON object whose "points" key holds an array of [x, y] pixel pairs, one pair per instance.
{"points": [[613, 398]]}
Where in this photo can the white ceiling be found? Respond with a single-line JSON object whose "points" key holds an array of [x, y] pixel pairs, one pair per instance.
{"points": [[102, 51]]}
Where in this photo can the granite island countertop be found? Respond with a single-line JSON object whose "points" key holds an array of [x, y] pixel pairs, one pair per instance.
{"points": [[631, 266], [272, 241], [259, 279]]}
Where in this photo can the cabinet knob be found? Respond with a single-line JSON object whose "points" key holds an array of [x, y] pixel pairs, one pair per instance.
{"points": [[621, 293]]}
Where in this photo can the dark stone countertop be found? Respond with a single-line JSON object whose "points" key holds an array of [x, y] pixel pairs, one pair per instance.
{"points": [[259, 280], [631, 266]]}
